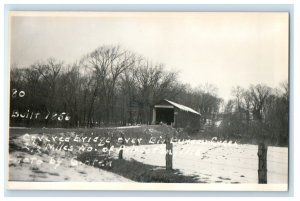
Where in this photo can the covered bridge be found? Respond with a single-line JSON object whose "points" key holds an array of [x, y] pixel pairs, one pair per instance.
{"points": [[175, 114]]}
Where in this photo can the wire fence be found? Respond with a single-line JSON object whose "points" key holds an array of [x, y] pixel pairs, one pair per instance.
{"points": [[214, 157]]}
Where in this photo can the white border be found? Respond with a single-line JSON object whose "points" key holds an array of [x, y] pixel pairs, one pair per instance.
{"points": [[230, 197], [121, 185], [143, 186]]}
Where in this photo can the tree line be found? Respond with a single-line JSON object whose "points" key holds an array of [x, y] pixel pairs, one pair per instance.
{"points": [[108, 86], [112, 86], [258, 113]]}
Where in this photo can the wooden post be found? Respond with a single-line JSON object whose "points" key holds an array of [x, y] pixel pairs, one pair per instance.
{"points": [[169, 153], [122, 144], [137, 141], [262, 163]]}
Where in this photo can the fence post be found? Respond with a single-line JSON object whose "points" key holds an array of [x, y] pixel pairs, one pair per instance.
{"points": [[122, 145], [262, 163], [169, 153]]}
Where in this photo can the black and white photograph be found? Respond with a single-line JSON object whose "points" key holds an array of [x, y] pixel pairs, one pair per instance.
{"points": [[148, 101]]}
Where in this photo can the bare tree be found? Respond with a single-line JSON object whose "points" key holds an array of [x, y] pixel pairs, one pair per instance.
{"points": [[107, 63], [259, 95], [50, 72], [208, 103], [238, 93]]}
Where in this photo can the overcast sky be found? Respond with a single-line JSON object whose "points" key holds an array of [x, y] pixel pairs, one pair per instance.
{"points": [[224, 49]]}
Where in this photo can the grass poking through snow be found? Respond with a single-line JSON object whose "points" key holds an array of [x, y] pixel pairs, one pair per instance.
{"points": [[140, 172]]}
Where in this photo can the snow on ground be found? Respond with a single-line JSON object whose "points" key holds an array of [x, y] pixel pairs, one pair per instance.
{"points": [[26, 167], [126, 127], [120, 127], [210, 162], [12, 127], [216, 162]]}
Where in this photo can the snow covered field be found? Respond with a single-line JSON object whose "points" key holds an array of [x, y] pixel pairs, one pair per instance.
{"points": [[208, 162], [216, 162], [66, 171]]}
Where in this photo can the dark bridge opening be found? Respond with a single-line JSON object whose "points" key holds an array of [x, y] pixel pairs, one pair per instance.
{"points": [[165, 115]]}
